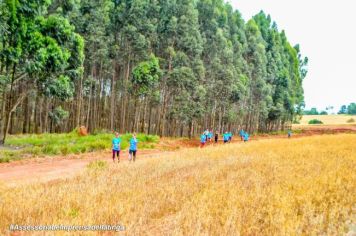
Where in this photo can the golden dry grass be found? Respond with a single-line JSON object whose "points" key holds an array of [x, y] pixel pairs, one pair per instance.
{"points": [[328, 119], [303, 186]]}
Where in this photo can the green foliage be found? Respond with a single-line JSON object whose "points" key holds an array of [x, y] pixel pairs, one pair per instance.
{"points": [[58, 115], [8, 156], [312, 111], [323, 113], [145, 77], [343, 110], [351, 109], [40, 51], [315, 122], [170, 65]]}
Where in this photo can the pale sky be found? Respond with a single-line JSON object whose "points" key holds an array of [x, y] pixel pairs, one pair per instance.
{"points": [[326, 32]]}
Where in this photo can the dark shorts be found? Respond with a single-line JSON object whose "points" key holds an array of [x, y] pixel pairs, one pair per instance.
{"points": [[133, 152], [225, 141], [117, 152]]}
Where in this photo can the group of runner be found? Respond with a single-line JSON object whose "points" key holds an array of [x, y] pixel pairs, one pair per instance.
{"points": [[207, 136], [116, 147]]}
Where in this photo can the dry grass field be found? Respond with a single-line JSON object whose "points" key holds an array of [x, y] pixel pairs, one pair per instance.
{"points": [[302, 186], [329, 119]]}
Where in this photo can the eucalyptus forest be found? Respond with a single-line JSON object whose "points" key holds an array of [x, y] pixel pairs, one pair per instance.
{"points": [[165, 67]]}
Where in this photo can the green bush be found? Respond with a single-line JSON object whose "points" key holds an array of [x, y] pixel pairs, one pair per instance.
{"points": [[7, 156], [351, 120], [75, 150], [50, 150], [98, 145], [65, 150], [315, 122], [35, 151], [4, 159]]}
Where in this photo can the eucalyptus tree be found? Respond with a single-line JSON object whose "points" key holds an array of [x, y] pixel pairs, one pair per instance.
{"points": [[35, 56]]}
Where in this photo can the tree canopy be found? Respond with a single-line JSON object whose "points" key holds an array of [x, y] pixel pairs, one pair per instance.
{"points": [[166, 67], [350, 109]]}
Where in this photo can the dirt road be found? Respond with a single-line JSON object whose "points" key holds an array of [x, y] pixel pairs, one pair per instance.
{"points": [[51, 168]]}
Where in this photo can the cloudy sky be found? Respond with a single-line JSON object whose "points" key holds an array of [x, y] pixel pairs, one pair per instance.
{"points": [[326, 32]]}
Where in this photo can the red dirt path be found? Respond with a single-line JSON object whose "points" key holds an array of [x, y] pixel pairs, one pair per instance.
{"points": [[52, 168]]}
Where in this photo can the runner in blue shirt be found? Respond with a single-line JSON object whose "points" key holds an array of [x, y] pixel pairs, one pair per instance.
{"points": [[202, 140], [133, 147], [230, 137], [206, 133], [246, 136], [116, 143], [242, 133], [289, 133], [226, 137], [210, 135]]}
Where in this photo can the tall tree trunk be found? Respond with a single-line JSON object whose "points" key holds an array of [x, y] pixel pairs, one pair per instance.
{"points": [[8, 118], [112, 99], [149, 121], [125, 103], [89, 106], [79, 102], [143, 125]]}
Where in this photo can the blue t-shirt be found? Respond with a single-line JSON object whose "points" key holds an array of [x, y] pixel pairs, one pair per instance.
{"points": [[133, 144], [210, 135], [226, 137], [116, 144], [246, 136], [242, 132], [202, 138]]}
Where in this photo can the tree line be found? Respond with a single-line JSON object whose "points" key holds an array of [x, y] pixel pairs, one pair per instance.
{"points": [[349, 109], [165, 67]]}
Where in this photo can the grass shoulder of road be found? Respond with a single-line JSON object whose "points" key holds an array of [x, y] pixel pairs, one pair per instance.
{"points": [[267, 187], [37, 145]]}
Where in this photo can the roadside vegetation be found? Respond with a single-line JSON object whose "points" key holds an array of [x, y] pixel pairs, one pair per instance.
{"points": [[37, 145]]}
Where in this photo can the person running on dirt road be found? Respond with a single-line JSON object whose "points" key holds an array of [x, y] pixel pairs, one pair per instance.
{"points": [[226, 137], [246, 136], [133, 147], [202, 140], [242, 133], [210, 135], [116, 144], [230, 137], [216, 137], [289, 133], [206, 133]]}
